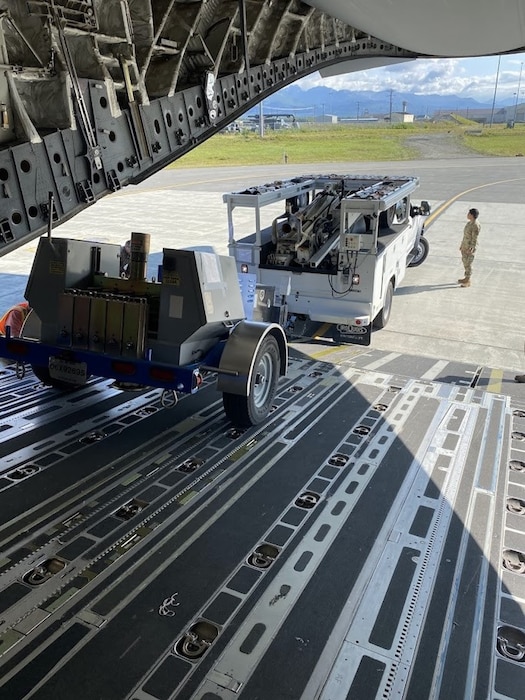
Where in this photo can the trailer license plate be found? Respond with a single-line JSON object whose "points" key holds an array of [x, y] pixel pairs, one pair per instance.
{"points": [[65, 371]]}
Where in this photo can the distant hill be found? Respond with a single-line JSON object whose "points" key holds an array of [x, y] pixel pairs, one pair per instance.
{"points": [[347, 103]]}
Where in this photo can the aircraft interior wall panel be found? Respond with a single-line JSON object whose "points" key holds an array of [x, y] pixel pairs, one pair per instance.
{"points": [[113, 134], [169, 119], [196, 113], [10, 200], [35, 180], [227, 89], [181, 127], [155, 128], [62, 175]]}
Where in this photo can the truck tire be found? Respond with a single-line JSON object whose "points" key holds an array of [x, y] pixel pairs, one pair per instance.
{"points": [[420, 252], [42, 374], [245, 411], [383, 316]]}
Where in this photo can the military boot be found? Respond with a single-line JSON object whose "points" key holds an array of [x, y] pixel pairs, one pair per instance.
{"points": [[465, 282], [465, 279]]}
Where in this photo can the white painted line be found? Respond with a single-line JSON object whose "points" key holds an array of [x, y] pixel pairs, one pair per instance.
{"points": [[435, 370], [383, 360]]}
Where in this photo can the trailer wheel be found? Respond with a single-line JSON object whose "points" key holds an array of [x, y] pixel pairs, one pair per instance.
{"points": [[42, 374], [420, 252], [383, 316], [245, 411]]}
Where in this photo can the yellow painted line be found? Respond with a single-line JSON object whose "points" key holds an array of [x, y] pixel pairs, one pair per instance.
{"points": [[447, 204], [495, 381], [322, 330], [323, 353]]}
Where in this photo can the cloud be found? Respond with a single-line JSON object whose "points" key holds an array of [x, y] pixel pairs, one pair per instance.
{"points": [[470, 77]]}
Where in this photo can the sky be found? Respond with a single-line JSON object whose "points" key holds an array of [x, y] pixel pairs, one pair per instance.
{"points": [[465, 77]]}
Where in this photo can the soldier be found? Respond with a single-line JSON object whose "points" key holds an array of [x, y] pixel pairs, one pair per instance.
{"points": [[14, 317], [468, 245]]}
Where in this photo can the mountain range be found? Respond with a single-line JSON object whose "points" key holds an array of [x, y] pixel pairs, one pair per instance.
{"points": [[318, 101]]}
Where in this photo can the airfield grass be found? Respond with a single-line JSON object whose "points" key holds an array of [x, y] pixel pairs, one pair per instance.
{"points": [[497, 141], [337, 143]]}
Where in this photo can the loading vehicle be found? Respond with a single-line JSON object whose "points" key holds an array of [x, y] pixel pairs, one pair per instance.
{"points": [[334, 257]]}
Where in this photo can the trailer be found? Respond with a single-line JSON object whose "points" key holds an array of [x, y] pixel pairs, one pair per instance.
{"points": [[333, 258], [171, 332]]}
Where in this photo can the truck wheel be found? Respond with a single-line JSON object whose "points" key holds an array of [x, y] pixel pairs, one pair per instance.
{"points": [[245, 411], [420, 252], [383, 316], [42, 374]]}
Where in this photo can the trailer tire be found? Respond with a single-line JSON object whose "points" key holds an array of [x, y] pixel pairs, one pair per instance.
{"points": [[382, 318], [420, 252], [245, 411], [42, 374]]}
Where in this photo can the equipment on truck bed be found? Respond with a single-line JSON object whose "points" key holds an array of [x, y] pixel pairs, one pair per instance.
{"points": [[336, 253], [87, 319]]}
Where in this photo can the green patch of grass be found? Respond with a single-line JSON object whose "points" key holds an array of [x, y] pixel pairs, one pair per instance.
{"points": [[463, 120], [497, 140], [305, 145], [339, 143]]}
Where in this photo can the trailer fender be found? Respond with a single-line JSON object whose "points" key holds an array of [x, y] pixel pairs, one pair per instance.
{"points": [[32, 327], [237, 360]]}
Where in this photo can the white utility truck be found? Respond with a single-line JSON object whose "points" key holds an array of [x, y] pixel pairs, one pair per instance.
{"points": [[329, 263]]}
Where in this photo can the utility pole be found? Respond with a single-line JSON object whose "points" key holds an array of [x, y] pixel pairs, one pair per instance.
{"points": [[261, 119], [391, 93], [517, 94], [495, 89], [357, 112]]}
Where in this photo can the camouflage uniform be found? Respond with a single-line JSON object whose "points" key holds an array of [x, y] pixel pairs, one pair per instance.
{"points": [[468, 245]]}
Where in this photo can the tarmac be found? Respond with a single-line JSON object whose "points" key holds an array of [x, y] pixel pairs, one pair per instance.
{"points": [[431, 315]]}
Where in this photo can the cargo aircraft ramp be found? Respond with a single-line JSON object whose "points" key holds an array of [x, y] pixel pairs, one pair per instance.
{"points": [[366, 542]]}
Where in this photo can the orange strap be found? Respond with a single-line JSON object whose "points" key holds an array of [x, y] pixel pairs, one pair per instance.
{"points": [[22, 309]]}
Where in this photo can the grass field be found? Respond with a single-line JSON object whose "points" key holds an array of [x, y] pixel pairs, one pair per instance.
{"points": [[317, 144], [497, 141]]}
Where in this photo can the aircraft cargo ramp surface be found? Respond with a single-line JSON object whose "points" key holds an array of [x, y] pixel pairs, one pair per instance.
{"points": [[365, 543]]}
